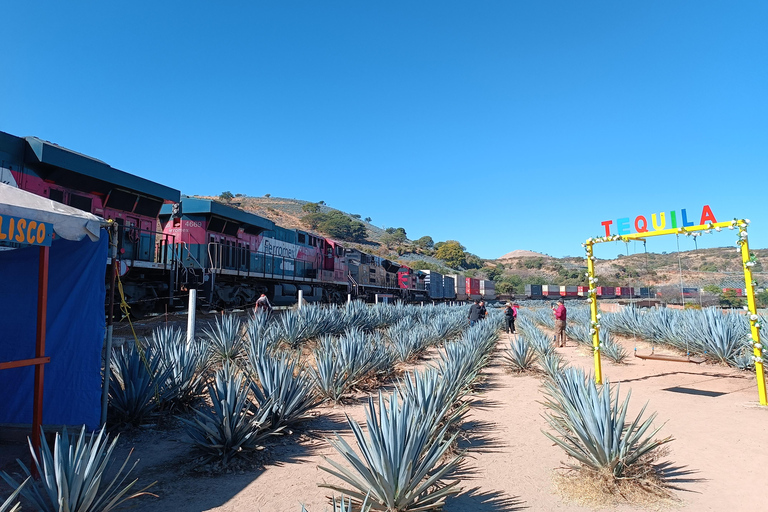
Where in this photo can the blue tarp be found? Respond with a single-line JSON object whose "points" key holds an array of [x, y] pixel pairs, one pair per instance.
{"points": [[74, 338]]}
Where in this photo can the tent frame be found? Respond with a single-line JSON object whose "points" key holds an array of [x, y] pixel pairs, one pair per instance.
{"points": [[40, 359]]}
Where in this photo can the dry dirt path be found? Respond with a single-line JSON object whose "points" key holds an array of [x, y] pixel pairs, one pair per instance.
{"points": [[720, 436]]}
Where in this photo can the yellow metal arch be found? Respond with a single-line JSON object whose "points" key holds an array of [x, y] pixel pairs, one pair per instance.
{"points": [[746, 261]]}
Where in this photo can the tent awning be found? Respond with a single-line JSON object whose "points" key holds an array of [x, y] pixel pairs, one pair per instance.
{"points": [[68, 222]]}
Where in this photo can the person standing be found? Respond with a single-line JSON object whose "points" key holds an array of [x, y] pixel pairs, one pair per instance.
{"points": [[560, 316], [474, 313], [510, 313], [483, 311]]}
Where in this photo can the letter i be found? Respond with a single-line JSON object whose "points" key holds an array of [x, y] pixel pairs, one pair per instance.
{"points": [[672, 218]]}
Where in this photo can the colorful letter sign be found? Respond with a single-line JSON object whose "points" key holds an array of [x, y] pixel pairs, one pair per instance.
{"points": [[24, 231], [658, 222]]}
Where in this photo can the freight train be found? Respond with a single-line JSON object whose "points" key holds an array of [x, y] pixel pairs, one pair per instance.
{"points": [[168, 243], [537, 291], [534, 291]]}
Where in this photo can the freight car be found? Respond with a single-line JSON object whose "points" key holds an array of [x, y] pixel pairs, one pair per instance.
{"points": [[168, 244]]}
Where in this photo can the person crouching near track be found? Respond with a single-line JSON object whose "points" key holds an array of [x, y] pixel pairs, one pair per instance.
{"points": [[560, 314], [509, 315], [263, 305]]}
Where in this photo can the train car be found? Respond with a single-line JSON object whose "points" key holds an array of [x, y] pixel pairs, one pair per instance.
{"points": [[233, 256], [487, 289], [146, 264], [449, 288], [690, 293], [738, 291], [606, 292], [533, 291], [473, 288], [549, 290], [412, 284], [460, 284], [371, 275], [434, 283], [570, 291], [582, 291]]}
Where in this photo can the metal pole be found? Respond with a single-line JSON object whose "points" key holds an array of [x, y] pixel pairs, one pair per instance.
{"points": [[112, 233], [595, 326], [757, 347], [42, 315], [191, 315], [349, 298], [301, 297]]}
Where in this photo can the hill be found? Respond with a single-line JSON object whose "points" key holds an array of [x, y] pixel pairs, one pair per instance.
{"points": [[719, 266]]}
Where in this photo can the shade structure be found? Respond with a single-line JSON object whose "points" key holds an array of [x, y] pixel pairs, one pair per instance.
{"points": [[58, 330]]}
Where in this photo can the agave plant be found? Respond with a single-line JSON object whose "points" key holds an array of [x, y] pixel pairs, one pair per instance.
{"points": [[400, 468], [552, 364], [73, 476], [436, 399], [224, 338], [291, 329], [136, 385], [235, 424], [341, 504], [284, 389], [590, 425], [184, 363], [611, 349], [8, 505], [520, 355]]}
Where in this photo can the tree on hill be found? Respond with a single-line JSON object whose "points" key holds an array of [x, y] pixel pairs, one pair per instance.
{"points": [[226, 196], [394, 237], [452, 253], [425, 242], [311, 208], [336, 225]]}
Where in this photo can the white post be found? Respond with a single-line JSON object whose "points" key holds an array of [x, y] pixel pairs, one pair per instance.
{"points": [[349, 298], [301, 297], [377, 298], [191, 315]]}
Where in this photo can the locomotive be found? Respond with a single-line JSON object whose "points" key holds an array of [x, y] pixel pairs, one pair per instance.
{"points": [[168, 243]]}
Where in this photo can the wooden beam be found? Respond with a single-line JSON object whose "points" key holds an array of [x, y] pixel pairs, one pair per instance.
{"points": [[24, 362]]}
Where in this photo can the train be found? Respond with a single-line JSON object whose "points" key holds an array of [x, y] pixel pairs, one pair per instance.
{"points": [[550, 291], [168, 243], [533, 291]]}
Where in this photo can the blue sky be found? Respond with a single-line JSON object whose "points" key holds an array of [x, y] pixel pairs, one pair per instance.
{"points": [[502, 124]]}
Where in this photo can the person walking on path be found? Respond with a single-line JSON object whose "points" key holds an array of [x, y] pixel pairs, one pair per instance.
{"points": [[263, 305], [510, 313], [474, 313], [560, 314]]}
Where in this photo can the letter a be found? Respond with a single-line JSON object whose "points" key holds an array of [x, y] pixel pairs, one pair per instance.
{"points": [[707, 215], [662, 216]]}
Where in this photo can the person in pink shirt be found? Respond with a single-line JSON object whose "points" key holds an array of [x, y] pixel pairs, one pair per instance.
{"points": [[560, 314]]}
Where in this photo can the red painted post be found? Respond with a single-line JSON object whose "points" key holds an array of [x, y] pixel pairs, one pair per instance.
{"points": [[42, 313]]}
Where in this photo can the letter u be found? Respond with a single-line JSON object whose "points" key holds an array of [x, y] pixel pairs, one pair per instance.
{"points": [[663, 218]]}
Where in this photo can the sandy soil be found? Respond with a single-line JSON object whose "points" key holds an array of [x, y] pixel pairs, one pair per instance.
{"points": [[719, 449]]}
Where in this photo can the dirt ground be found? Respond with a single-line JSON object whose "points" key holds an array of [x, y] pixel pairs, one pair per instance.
{"points": [[717, 457]]}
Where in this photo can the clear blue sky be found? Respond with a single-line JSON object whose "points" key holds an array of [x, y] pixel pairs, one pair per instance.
{"points": [[502, 124]]}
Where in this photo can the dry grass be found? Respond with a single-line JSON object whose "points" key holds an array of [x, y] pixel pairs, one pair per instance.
{"points": [[642, 485]]}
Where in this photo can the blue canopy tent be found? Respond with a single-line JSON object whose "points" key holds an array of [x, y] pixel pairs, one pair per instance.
{"points": [[52, 264]]}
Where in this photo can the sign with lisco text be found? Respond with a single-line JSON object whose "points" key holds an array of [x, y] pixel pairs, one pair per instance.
{"points": [[25, 231]]}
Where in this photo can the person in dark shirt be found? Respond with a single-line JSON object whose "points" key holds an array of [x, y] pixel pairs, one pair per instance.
{"points": [[474, 313], [483, 311], [510, 313]]}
